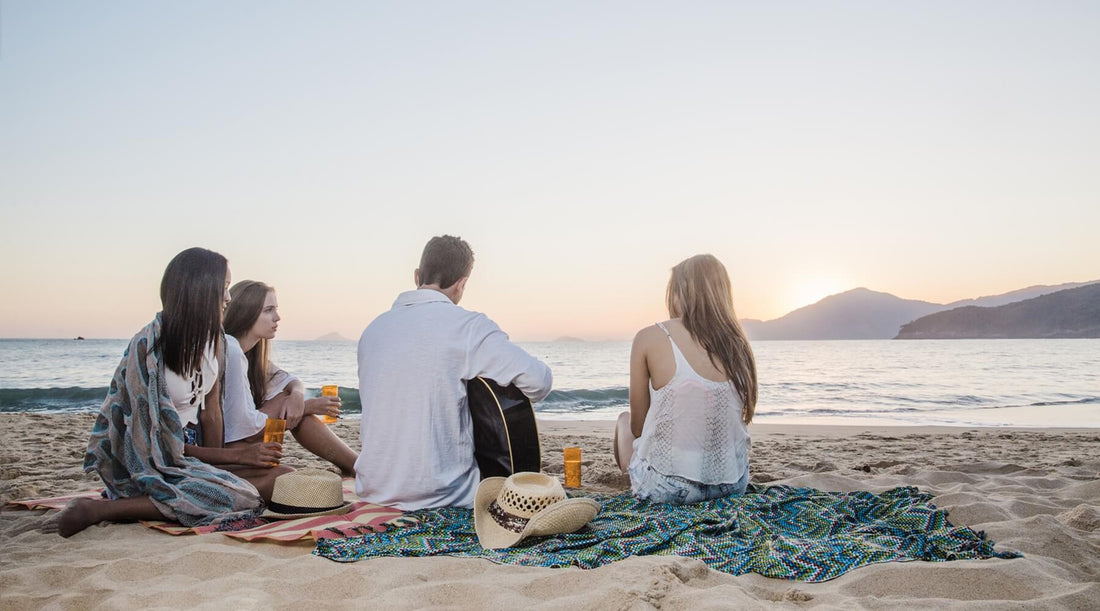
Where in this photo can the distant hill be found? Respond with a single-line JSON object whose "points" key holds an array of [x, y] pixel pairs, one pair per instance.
{"points": [[332, 337], [865, 314], [1067, 313], [568, 338], [856, 314], [1017, 295]]}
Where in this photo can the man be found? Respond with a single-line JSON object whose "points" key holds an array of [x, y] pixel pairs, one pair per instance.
{"points": [[414, 361]]}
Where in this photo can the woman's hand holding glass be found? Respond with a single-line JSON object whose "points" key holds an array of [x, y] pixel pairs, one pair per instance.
{"points": [[323, 406], [259, 454]]}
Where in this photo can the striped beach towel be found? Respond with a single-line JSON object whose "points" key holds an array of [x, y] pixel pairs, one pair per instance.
{"points": [[363, 518]]}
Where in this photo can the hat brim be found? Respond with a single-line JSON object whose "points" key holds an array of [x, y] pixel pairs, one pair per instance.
{"points": [[490, 534], [562, 517], [275, 515]]}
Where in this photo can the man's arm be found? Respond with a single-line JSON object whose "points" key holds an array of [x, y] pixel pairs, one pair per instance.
{"points": [[495, 357]]}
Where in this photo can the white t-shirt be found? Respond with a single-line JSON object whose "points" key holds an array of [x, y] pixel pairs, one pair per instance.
{"points": [[239, 413], [189, 394], [416, 429]]}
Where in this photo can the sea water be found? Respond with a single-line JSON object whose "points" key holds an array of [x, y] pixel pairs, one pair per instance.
{"points": [[1045, 383]]}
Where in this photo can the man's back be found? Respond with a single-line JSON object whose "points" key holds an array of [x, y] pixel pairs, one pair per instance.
{"points": [[414, 361]]}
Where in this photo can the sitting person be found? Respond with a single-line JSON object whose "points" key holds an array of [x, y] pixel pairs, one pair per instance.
{"points": [[414, 362], [692, 393], [159, 430], [251, 380]]}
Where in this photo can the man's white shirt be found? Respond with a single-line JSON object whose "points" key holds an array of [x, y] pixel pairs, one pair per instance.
{"points": [[416, 430]]}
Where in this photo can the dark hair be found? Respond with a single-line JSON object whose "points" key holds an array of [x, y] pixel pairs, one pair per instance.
{"points": [[445, 261], [191, 294], [243, 311]]}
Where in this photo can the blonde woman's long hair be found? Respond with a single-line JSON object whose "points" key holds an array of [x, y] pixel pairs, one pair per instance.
{"points": [[700, 295], [243, 311]]}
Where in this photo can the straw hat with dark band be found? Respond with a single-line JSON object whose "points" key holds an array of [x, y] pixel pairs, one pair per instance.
{"points": [[306, 493], [508, 510]]}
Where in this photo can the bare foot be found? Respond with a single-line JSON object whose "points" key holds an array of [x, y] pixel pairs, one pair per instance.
{"points": [[75, 517]]}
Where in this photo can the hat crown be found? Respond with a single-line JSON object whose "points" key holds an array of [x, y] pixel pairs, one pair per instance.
{"points": [[308, 488], [525, 494]]}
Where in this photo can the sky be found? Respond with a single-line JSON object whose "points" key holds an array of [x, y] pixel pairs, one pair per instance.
{"points": [[933, 150]]}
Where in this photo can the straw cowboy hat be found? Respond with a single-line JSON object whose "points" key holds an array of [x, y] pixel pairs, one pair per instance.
{"points": [[508, 510], [306, 493]]}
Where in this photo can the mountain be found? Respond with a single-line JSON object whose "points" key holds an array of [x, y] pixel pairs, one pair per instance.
{"points": [[1017, 295], [856, 314], [332, 337], [1067, 313]]}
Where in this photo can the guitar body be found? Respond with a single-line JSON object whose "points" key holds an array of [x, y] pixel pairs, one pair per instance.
{"points": [[506, 438]]}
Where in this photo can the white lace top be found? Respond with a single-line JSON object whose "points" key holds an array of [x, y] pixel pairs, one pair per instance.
{"points": [[694, 428], [189, 394]]}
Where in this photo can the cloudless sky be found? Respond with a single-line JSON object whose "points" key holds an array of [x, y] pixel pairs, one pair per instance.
{"points": [[934, 150]]}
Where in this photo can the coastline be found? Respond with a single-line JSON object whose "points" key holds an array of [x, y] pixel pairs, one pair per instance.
{"points": [[1036, 491]]}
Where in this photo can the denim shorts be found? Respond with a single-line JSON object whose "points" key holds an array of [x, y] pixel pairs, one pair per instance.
{"points": [[647, 483], [191, 435]]}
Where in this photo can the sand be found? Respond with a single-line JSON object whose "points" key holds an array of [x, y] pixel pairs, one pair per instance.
{"points": [[1034, 491]]}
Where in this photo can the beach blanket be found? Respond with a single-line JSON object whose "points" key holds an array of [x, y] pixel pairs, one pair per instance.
{"points": [[136, 446], [363, 518], [777, 531]]}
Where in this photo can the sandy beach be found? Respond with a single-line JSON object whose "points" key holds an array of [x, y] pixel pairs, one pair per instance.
{"points": [[1034, 491]]}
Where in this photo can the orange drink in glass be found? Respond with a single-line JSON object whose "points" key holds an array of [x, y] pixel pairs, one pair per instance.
{"points": [[572, 458], [329, 390], [274, 429]]}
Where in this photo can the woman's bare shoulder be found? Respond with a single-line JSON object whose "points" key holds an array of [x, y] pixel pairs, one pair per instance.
{"points": [[650, 334]]}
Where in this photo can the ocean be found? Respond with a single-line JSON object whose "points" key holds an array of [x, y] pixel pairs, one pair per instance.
{"points": [[1033, 383]]}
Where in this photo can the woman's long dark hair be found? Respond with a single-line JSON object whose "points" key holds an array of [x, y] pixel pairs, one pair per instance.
{"points": [[246, 306], [699, 294], [191, 293]]}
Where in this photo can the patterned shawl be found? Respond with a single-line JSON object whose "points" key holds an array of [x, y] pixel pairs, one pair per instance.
{"points": [[136, 446]]}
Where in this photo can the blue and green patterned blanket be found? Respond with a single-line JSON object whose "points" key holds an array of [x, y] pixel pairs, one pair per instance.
{"points": [[776, 531]]}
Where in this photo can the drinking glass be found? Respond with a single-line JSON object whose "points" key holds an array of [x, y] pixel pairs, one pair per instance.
{"points": [[329, 390], [572, 458]]}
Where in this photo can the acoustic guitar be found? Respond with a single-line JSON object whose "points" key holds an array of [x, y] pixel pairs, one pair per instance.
{"points": [[506, 438]]}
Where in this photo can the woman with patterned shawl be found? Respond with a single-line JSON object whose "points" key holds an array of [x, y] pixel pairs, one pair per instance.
{"points": [[148, 443]]}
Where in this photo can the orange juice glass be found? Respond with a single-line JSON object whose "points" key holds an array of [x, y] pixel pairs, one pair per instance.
{"points": [[572, 458], [274, 429], [329, 390]]}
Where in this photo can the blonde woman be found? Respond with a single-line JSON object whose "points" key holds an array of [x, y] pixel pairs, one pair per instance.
{"points": [[692, 394], [256, 389]]}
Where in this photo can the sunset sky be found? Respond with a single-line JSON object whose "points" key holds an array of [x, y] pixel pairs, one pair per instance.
{"points": [[935, 151]]}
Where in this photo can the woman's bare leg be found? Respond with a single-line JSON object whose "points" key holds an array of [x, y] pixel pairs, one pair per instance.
{"points": [[82, 513], [263, 478], [622, 431], [316, 437]]}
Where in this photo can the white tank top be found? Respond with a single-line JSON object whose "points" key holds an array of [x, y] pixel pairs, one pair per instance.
{"points": [[694, 428], [189, 394]]}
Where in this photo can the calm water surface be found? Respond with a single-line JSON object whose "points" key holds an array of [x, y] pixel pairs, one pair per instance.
{"points": [[948, 382]]}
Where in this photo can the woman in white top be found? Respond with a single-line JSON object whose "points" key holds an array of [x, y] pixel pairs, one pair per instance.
{"points": [[256, 389], [159, 431], [692, 393]]}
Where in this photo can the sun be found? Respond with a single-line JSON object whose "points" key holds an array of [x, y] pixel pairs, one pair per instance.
{"points": [[808, 291]]}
